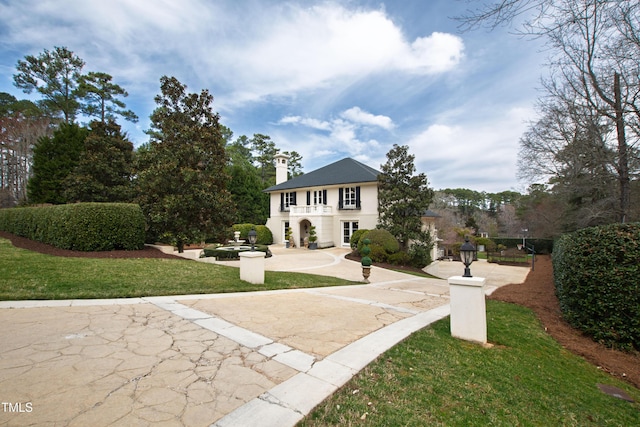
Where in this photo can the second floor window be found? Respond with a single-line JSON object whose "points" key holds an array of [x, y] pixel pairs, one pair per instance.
{"points": [[350, 197], [318, 197], [287, 200]]}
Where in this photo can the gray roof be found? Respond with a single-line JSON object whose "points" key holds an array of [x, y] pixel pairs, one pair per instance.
{"points": [[345, 171]]}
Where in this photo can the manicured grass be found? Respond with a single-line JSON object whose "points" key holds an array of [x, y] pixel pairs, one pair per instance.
{"points": [[432, 379], [30, 275]]}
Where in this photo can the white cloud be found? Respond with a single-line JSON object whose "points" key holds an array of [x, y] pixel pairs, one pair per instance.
{"points": [[477, 155], [436, 53], [305, 121], [246, 52], [309, 47], [343, 134], [356, 115]]}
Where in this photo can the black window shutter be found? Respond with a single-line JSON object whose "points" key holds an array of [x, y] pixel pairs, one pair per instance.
{"points": [[358, 197], [293, 199], [308, 198], [324, 196], [281, 202], [340, 196]]}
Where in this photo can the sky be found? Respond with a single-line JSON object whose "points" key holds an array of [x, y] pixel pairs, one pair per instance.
{"points": [[328, 79]]}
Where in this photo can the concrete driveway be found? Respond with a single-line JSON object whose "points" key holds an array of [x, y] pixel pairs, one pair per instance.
{"points": [[245, 359]]}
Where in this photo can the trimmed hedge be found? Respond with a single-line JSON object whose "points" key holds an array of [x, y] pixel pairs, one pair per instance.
{"points": [[230, 253], [355, 238], [383, 244], [542, 246], [597, 279], [264, 234], [81, 226]]}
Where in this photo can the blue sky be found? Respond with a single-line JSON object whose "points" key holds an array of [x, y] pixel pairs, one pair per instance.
{"points": [[326, 79]]}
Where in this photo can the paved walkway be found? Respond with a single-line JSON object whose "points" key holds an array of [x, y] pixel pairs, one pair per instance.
{"points": [[245, 359]]}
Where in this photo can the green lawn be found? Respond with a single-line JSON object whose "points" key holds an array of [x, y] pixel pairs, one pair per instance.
{"points": [[30, 275], [526, 379]]}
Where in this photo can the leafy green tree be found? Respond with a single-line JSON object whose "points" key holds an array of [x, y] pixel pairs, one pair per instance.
{"points": [[100, 95], [245, 186], [53, 159], [181, 176], [55, 75], [103, 173], [402, 196]]}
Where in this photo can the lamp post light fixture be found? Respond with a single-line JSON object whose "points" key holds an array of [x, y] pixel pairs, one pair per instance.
{"points": [[532, 249], [253, 237], [467, 252]]}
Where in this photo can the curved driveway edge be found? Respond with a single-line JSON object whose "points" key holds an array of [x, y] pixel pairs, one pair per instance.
{"points": [[260, 358]]}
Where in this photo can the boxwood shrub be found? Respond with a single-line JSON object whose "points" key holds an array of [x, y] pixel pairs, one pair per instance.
{"points": [[597, 278], [382, 245], [220, 253], [265, 237], [355, 238], [80, 226]]}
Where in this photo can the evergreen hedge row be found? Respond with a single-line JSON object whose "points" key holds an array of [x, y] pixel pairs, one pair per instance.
{"points": [[264, 234], [597, 279], [542, 246], [80, 226]]}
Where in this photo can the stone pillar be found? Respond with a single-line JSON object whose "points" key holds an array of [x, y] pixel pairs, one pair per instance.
{"points": [[252, 267], [468, 308]]}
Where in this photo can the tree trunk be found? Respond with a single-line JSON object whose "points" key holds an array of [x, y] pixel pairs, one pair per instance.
{"points": [[623, 155]]}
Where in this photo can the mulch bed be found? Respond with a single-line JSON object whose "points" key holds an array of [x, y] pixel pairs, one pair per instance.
{"points": [[536, 293]]}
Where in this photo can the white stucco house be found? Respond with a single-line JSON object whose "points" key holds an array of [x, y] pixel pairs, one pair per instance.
{"points": [[337, 199]]}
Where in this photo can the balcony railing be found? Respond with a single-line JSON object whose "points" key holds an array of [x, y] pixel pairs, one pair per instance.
{"points": [[311, 210]]}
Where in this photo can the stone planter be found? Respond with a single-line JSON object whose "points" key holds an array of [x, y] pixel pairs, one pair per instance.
{"points": [[366, 272]]}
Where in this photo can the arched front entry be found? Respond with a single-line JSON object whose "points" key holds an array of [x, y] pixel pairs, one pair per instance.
{"points": [[305, 225]]}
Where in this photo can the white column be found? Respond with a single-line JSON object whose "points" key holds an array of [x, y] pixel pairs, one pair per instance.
{"points": [[468, 308], [252, 267]]}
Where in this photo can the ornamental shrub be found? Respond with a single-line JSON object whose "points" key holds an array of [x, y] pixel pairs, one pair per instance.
{"points": [[229, 253], [382, 244], [399, 258], [596, 273], [355, 238], [420, 254], [80, 226], [265, 237]]}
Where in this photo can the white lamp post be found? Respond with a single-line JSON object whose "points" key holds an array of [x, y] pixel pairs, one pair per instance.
{"points": [[252, 263], [468, 310]]}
